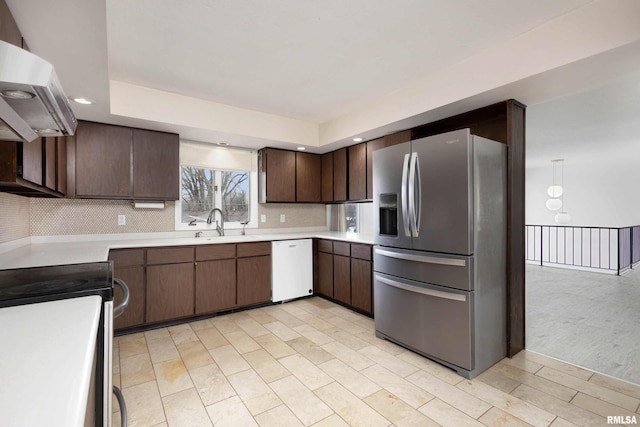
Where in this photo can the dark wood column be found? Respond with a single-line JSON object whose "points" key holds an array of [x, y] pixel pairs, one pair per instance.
{"points": [[515, 226]]}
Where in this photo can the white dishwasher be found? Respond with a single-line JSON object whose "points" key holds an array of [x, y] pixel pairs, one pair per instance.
{"points": [[291, 269]]}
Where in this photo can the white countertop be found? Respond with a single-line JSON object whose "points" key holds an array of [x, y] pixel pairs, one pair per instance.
{"points": [[75, 250], [46, 361]]}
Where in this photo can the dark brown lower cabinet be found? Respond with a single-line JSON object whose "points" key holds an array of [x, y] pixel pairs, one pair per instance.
{"points": [[254, 280], [170, 291], [325, 274], [341, 279], [133, 315], [215, 285], [343, 273], [361, 284]]}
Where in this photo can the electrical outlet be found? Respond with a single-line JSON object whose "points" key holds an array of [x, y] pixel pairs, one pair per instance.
{"points": [[282, 218], [263, 218], [122, 220]]}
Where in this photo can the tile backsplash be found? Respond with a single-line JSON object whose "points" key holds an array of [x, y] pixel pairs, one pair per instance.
{"points": [[14, 217], [295, 215], [54, 217]]}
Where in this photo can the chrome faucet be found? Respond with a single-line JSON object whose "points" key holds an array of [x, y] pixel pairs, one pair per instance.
{"points": [[211, 217]]}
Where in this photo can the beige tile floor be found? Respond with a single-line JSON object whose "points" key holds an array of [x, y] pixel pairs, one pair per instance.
{"points": [[311, 362]]}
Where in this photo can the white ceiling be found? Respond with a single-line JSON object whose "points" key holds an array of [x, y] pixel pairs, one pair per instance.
{"points": [[307, 60], [325, 65]]}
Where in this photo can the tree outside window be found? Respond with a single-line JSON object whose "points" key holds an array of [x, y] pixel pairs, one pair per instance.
{"points": [[205, 189]]}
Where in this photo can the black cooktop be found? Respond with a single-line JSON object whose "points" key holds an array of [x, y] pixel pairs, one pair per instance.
{"points": [[39, 284]]}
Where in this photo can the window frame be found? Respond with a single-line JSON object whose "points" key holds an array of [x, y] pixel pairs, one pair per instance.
{"points": [[230, 225]]}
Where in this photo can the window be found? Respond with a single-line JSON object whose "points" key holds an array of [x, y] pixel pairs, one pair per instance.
{"points": [[205, 189], [211, 178]]}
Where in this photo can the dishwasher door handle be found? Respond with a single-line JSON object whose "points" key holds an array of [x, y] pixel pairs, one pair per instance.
{"points": [[419, 290], [117, 311]]}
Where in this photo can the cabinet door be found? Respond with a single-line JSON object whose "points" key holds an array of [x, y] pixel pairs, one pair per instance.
{"points": [[308, 177], [215, 285], [358, 172], [361, 284], [327, 177], [128, 265], [103, 161], [341, 279], [325, 274], [340, 175], [50, 161], [170, 291], [281, 175], [254, 280], [32, 161], [133, 315], [156, 165], [61, 154]]}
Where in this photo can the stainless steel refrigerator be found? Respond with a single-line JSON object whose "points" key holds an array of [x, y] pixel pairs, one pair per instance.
{"points": [[440, 255]]}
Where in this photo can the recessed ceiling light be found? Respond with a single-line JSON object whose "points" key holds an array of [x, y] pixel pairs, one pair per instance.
{"points": [[83, 101], [357, 139], [302, 148], [16, 94]]}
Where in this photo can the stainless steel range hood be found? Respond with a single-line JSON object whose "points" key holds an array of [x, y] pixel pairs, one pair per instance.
{"points": [[32, 102]]}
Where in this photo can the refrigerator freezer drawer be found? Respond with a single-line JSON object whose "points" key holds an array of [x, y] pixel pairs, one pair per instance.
{"points": [[453, 271], [432, 320]]}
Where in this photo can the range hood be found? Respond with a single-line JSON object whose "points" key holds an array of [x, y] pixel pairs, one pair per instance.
{"points": [[32, 102]]}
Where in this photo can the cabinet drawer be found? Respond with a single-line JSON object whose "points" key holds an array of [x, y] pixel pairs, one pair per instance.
{"points": [[361, 251], [127, 257], [341, 248], [254, 249], [325, 246], [213, 252], [169, 255]]}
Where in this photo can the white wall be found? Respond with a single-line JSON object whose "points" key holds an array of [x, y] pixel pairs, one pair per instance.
{"points": [[604, 192]]}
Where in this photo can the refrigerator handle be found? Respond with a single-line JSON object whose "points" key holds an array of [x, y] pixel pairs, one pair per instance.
{"points": [[415, 201], [404, 195], [423, 291]]}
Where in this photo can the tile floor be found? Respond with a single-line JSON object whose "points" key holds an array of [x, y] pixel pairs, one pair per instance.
{"points": [[585, 318], [311, 362]]}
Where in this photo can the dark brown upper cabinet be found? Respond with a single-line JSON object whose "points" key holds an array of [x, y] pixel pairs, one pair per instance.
{"points": [[277, 169], [358, 172], [156, 165], [340, 175], [103, 161], [34, 168], [61, 153], [50, 162], [327, 177], [308, 172], [116, 162], [289, 176]]}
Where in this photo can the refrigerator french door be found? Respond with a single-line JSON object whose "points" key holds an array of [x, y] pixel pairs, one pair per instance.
{"points": [[440, 259]]}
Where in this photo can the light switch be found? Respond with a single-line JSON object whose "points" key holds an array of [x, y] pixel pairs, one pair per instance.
{"points": [[263, 218], [282, 218], [122, 220]]}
